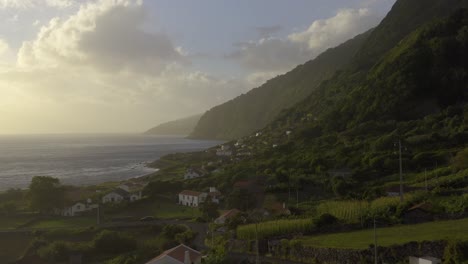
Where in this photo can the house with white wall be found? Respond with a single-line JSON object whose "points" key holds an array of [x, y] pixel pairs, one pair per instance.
{"points": [[192, 173], [116, 196], [224, 150], [192, 198], [124, 192], [77, 208]]}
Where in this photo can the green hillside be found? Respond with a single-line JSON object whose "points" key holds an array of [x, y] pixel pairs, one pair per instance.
{"points": [[182, 126], [417, 92], [255, 109]]}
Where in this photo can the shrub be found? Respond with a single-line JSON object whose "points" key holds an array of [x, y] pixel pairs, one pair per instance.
{"points": [[456, 252], [55, 251], [325, 220], [275, 228], [170, 231]]}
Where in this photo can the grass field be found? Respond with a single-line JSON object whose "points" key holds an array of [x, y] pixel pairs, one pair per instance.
{"points": [[13, 246], [11, 222], [65, 222], [455, 229]]}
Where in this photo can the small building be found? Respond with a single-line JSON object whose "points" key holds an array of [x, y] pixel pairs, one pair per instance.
{"points": [[181, 254], [215, 195], [124, 192], [192, 198], [224, 150], [192, 173], [418, 214], [77, 208], [221, 220], [424, 260]]}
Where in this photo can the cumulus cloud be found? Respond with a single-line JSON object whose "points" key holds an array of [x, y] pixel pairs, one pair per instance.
{"points": [[272, 55], [105, 35], [98, 70]]}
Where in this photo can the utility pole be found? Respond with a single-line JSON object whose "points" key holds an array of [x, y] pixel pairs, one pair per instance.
{"points": [[257, 257], [98, 214], [375, 242], [401, 171], [425, 179], [297, 195]]}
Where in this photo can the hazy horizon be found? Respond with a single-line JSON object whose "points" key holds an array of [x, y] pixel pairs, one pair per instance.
{"points": [[124, 66]]}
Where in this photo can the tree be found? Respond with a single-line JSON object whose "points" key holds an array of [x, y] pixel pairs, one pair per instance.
{"points": [[460, 161], [241, 199], [8, 208], [45, 194], [209, 209]]}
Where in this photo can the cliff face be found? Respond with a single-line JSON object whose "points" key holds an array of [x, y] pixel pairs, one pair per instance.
{"points": [[255, 109], [182, 126]]}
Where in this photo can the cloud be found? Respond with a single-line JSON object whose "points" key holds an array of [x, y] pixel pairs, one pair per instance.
{"points": [[323, 34], [106, 35], [4, 47], [98, 71], [272, 55], [22, 4]]}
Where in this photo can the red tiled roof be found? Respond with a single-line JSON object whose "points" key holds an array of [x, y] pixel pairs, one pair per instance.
{"points": [[423, 206], [178, 253], [230, 213], [190, 193]]}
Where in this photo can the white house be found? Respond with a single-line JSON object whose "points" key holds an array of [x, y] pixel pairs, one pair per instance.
{"points": [[77, 208], [215, 195], [178, 255], [116, 196], [192, 198], [192, 173], [424, 260], [121, 194]]}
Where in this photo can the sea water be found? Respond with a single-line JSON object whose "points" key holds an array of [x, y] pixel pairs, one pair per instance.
{"points": [[85, 159]]}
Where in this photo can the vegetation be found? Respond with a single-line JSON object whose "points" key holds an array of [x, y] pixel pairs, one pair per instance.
{"points": [[275, 228], [255, 109], [45, 194], [443, 230]]}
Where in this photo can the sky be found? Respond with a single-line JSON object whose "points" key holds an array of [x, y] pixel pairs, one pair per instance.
{"points": [[123, 66]]}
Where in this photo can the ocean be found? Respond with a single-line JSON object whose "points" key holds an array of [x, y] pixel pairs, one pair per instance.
{"points": [[85, 159]]}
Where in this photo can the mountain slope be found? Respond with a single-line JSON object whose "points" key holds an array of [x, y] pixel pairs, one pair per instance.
{"points": [[182, 126], [416, 93], [404, 17], [252, 111]]}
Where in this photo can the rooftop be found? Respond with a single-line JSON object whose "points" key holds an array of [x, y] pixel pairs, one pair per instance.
{"points": [[190, 193], [178, 253]]}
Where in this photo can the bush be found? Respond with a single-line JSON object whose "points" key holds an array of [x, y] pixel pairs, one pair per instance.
{"points": [[113, 242], [325, 220], [456, 252], [55, 251], [185, 237], [170, 231]]}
